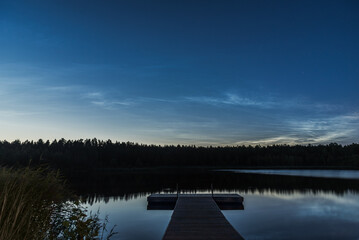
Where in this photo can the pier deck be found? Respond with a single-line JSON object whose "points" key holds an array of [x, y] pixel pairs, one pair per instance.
{"points": [[197, 216]]}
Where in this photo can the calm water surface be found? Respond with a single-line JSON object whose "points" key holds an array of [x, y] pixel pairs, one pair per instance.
{"points": [[349, 174], [275, 206]]}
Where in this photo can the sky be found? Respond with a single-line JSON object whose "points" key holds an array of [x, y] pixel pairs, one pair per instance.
{"points": [[180, 72]]}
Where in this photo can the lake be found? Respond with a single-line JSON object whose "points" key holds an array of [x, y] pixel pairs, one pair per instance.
{"points": [[276, 206]]}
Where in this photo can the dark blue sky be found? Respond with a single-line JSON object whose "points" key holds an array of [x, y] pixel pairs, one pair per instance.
{"points": [[187, 72]]}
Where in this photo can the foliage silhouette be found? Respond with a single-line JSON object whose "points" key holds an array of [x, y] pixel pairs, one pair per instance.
{"points": [[91, 154], [34, 205]]}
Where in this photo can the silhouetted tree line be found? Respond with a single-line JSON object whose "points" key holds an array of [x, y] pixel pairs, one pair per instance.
{"points": [[93, 154]]}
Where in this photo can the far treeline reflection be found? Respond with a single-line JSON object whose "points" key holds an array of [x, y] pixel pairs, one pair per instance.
{"points": [[92, 154], [101, 186]]}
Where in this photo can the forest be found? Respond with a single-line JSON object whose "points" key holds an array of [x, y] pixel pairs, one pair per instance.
{"points": [[93, 154]]}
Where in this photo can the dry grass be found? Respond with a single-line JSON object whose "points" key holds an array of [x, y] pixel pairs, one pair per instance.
{"points": [[34, 206], [27, 199]]}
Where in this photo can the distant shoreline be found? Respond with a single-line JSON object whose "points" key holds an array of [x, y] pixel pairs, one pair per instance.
{"points": [[94, 154], [150, 169]]}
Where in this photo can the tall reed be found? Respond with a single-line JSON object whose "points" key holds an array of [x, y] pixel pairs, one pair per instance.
{"points": [[34, 206], [27, 199]]}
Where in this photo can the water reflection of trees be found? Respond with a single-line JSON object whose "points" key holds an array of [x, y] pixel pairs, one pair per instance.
{"points": [[126, 185]]}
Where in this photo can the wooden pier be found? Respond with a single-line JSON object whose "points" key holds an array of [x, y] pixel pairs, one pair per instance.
{"points": [[197, 216]]}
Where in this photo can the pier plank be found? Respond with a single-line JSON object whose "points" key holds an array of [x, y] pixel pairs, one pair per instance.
{"points": [[198, 217]]}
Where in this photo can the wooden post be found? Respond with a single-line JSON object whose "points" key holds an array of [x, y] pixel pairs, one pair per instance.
{"points": [[177, 189]]}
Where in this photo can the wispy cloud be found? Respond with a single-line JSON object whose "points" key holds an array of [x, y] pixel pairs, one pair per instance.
{"points": [[63, 88], [269, 141], [93, 95], [13, 113], [231, 99], [263, 102], [104, 101], [342, 129]]}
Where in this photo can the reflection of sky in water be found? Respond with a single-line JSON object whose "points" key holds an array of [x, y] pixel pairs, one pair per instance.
{"points": [[266, 216], [350, 174], [303, 216], [132, 219]]}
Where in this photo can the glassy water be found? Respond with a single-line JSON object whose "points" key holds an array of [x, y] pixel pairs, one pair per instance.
{"points": [[275, 206], [349, 174]]}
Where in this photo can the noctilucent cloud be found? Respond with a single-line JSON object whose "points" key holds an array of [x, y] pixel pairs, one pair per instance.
{"points": [[180, 72]]}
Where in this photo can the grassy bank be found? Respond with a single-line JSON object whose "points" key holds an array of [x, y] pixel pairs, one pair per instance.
{"points": [[34, 205]]}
